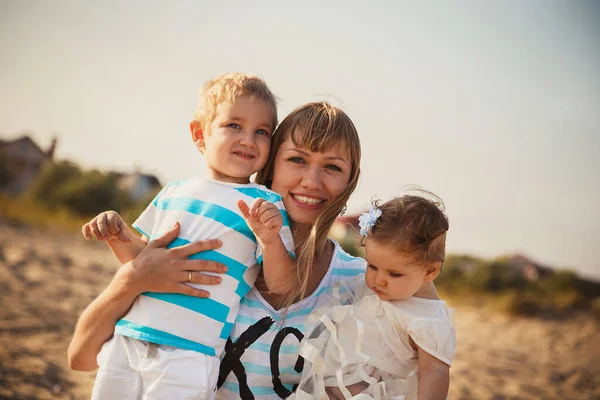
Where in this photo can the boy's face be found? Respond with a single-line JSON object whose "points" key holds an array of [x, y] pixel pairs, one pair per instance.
{"points": [[238, 140]]}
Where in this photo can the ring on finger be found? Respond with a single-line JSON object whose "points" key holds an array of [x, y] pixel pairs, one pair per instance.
{"points": [[189, 276]]}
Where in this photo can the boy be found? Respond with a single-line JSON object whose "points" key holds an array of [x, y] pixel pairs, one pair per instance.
{"points": [[168, 345]]}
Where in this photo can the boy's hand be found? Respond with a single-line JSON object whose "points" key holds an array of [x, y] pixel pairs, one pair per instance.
{"points": [[107, 225], [263, 218]]}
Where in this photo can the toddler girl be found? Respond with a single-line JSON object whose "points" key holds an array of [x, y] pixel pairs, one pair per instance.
{"points": [[388, 335]]}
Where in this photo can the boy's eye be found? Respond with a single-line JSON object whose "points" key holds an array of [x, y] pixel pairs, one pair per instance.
{"points": [[333, 167], [395, 275], [262, 132], [372, 267], [234, 126]]}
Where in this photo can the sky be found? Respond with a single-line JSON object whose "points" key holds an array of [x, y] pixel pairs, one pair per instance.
{"points": [[494, 106]]}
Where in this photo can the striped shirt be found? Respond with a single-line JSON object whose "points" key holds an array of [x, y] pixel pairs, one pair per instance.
{"points": [[205, 210], [261, 358]]}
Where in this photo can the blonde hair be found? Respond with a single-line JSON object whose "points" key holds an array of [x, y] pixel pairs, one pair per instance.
{"points": [[414, 225], [229, 87], [316, 126]]}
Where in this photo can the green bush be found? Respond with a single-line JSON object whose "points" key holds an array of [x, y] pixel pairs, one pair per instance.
{"points": [[64, 185]]}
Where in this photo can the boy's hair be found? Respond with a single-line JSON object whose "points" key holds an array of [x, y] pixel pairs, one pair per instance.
{"points": [[229, 87], [317, 127], [414, 225]]}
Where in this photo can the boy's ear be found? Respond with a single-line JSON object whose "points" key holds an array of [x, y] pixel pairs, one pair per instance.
{"points": [[433, 271], [197, 134]]}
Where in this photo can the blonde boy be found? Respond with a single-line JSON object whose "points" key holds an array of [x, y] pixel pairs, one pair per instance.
{"points": [[168, 345]]}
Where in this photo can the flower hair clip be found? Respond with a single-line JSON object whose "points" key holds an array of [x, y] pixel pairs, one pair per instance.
{"points": [[367, 220]]}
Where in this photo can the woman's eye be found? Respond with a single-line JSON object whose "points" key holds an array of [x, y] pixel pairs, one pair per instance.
{"points": [[333, 167], [234, 126], [262, 132], [297, 160]]}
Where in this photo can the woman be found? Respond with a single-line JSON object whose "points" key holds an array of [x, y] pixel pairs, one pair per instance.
{"points": [[314, 166]]}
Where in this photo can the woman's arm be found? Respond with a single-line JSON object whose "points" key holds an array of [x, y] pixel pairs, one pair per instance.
{"points": [[155, 269], [434, 377]]}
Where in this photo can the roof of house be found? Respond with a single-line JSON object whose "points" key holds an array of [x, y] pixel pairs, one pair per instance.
{"points": [[24, 138]]}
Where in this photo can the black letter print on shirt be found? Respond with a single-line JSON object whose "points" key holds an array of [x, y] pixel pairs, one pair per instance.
{"points": [[234, 350], [281, 390], [233, 354]]}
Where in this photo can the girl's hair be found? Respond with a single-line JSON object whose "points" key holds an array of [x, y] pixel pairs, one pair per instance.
{"points": [[316, 126], [414, 225]]}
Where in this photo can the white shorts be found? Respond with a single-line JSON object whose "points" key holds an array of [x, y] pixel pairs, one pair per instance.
{"points": [[133, 369]]}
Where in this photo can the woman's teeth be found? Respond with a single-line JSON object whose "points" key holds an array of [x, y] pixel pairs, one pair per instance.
{"points": [[307, 200]]}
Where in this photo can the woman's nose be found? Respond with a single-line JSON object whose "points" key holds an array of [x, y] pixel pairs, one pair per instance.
{"points": [[312, 178]]}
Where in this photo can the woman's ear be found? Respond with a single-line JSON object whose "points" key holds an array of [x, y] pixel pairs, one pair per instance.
{"points": [[433, 271], [197, 135]]}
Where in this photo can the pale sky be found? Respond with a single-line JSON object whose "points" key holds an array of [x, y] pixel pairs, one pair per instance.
{"points": [[494, 106]]}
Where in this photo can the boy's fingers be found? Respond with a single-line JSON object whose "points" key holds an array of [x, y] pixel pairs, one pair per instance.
{"points": [[166, 238], [103, 226], [85, 230], [244, 209], [94, 228], [114, 224], [117, 226], [255, 207], [268, 215]]}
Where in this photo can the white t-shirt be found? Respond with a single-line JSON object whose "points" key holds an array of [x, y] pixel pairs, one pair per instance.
{"points": [[261, 359], [205, 210]]}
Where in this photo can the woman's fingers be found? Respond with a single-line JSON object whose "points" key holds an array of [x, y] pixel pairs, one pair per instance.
{"points": [[191, 291], [199, 278], [202, 266], [166, 238], [196, 247]]}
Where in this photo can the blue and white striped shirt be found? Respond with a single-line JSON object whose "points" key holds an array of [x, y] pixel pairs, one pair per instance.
{"points": [[205, 210]]}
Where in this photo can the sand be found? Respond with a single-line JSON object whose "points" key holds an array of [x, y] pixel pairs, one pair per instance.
{"points": [[47, 278]]}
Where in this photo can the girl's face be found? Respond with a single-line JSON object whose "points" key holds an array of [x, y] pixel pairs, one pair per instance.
{"points": [[393, 275], [308, 180]]}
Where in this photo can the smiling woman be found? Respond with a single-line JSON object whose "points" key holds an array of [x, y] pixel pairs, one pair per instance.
{"points": [[315, 168]]}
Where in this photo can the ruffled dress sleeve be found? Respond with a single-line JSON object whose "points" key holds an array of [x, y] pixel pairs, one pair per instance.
{"points": [[436, 336]]}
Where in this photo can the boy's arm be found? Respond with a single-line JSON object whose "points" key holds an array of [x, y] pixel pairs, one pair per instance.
{"points": [[434, 377], [109, 226], [126, 252], [279, 267]]}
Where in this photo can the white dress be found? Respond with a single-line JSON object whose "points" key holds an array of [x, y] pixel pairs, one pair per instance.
{"points": [[358, 346]]}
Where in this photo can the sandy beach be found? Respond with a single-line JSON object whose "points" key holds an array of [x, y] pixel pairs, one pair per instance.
{"points": [[48, 278]]}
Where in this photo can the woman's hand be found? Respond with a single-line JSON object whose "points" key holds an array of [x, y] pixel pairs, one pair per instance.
{"points": [[155, 269], [162, 270]]}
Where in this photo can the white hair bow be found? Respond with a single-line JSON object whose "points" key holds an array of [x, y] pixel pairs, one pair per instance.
{"points": [[367, 220]]}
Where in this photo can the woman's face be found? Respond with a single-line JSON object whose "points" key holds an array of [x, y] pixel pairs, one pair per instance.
{"points": [[308, 180]]}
